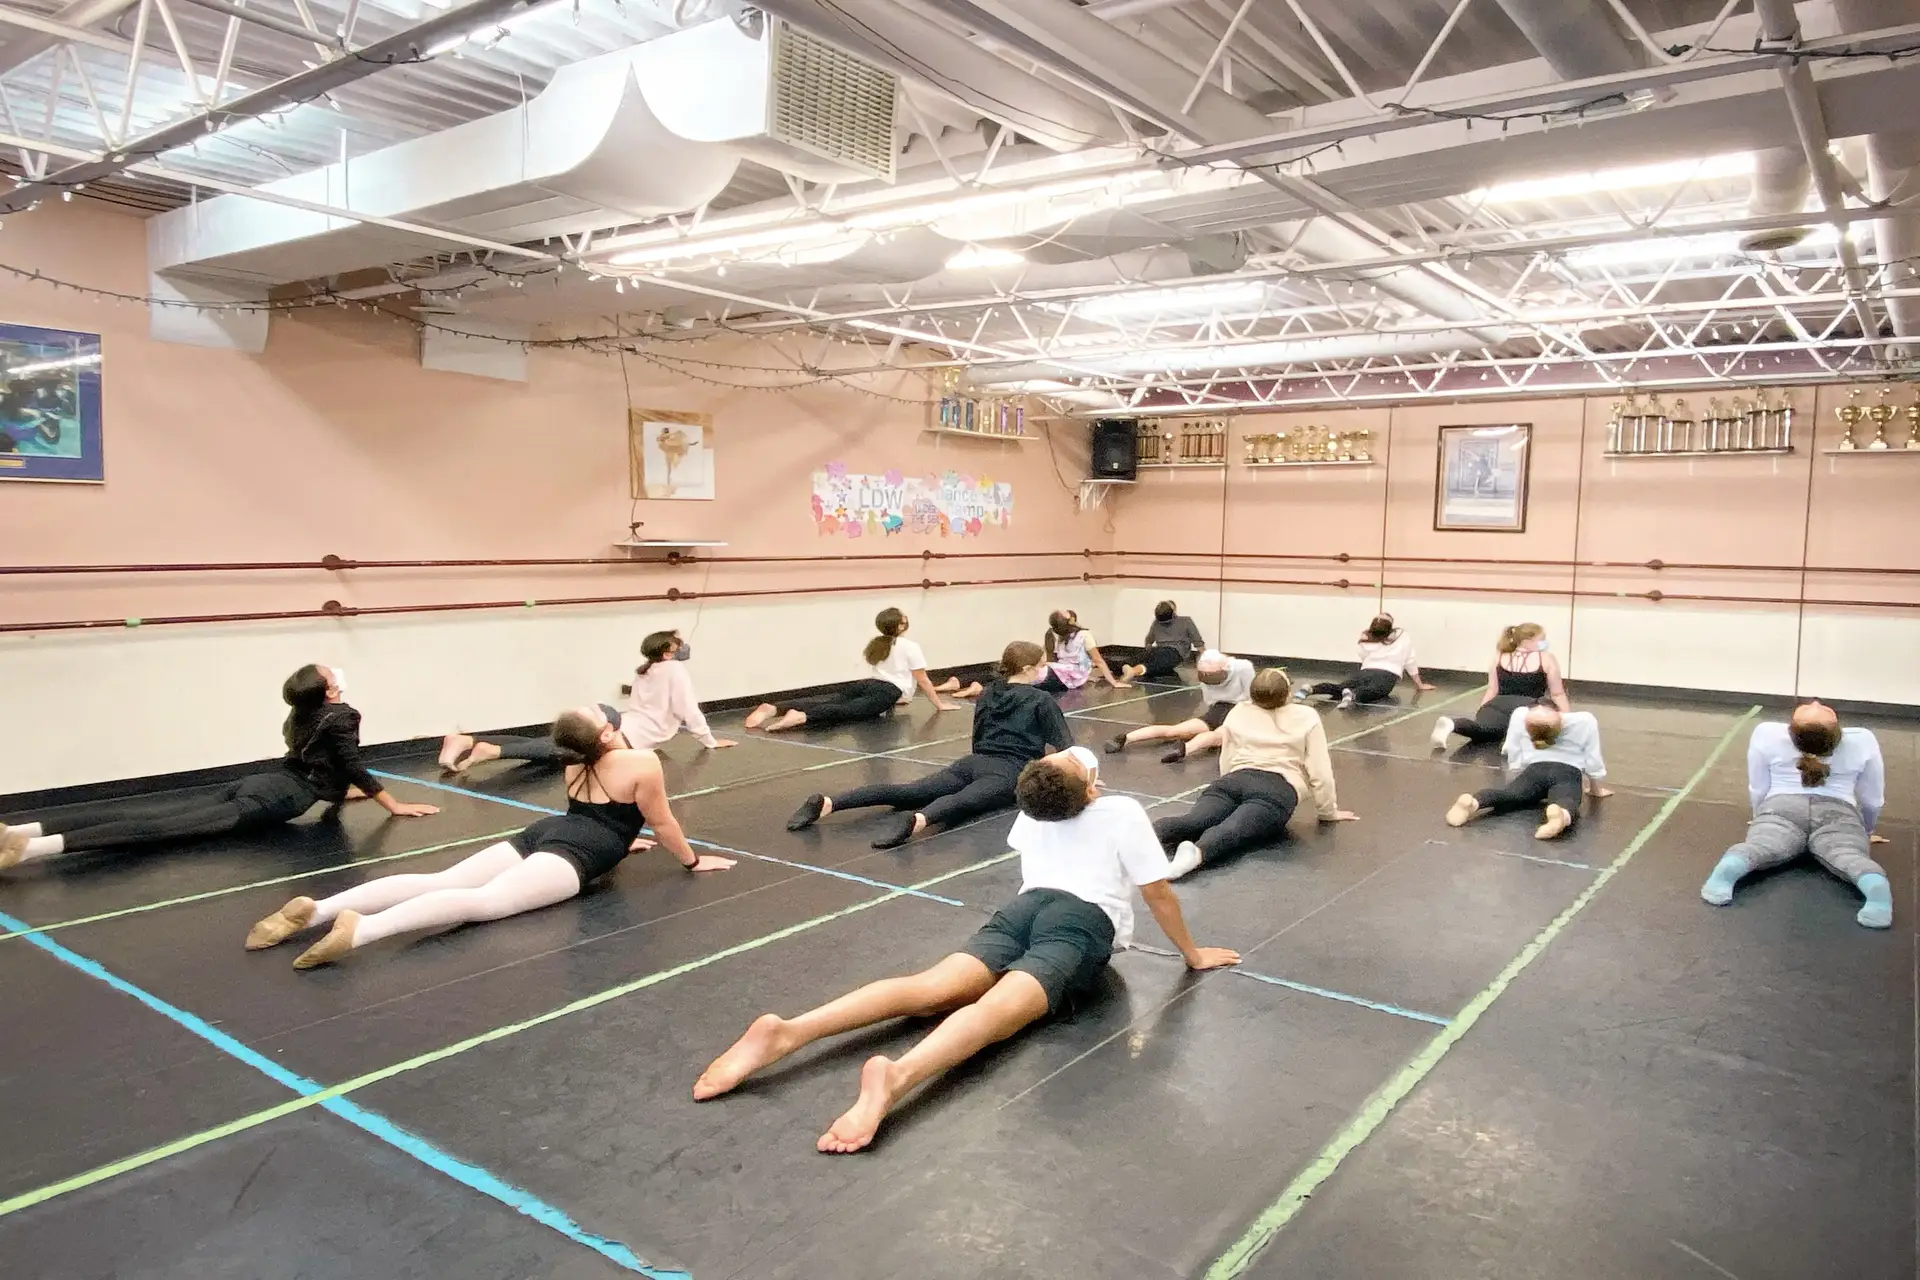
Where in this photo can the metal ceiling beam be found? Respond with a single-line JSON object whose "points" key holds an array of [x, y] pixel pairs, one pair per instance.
{"points": [[260, 18], [57, 31], [76, 16], [355, 64]]}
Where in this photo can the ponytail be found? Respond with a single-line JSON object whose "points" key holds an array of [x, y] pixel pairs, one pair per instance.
{"points": [[578, 736], [1544, 735], [1816, 740], [655, 648], [1061, 625], [1379, 631], [305, 691], [1518, 634], [889, 623]]}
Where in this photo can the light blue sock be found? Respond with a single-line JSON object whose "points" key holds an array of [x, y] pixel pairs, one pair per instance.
{"points": [[1719, 886], [1878, 913]]}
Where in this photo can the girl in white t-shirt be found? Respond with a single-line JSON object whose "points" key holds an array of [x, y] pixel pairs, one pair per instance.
{"points": [[895, 667], [1385, 652]]}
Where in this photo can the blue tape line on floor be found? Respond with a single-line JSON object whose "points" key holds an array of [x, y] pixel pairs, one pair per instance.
{"points": [[379, 1126], [1308, 989], [702, 844]]}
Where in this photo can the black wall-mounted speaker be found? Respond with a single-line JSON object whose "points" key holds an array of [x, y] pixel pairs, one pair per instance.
{"points": [[1114, 448]]}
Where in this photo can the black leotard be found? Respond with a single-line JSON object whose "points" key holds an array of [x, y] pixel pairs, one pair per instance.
{"points": [[1520, 684], [593, 835]]}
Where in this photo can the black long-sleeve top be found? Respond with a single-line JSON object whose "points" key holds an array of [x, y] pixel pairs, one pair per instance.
{"points": [[1018, 722], [326, 753]]}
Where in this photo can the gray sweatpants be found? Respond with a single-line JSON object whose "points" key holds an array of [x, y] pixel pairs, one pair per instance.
{"points": [[1784, 827]]}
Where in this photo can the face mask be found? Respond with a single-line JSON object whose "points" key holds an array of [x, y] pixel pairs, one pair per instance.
{"points": [[1541, 647], [340, 682], [1087, 758], [684, 652]]}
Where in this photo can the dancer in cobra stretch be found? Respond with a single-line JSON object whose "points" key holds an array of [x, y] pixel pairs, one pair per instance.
{"points": [[661, 702], [1522, 673], [1172, 638], [1273, 750], [1072, 656], [895, 667], [1816, 788], [1082, 856], [1553, 759], [611, 791], [322, 763], [1224, 683], [1013, 725], [1385, 652]]}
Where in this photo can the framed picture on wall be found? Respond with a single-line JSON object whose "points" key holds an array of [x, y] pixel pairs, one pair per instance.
{"points": [[1482, 479], [50, 405], [670, 454]]}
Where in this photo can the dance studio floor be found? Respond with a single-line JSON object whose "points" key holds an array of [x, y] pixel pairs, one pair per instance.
{"points": [[1596, 1075]]}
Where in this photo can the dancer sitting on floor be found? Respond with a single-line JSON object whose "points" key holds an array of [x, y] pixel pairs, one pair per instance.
{"points": [[322, 763], [1523, 673], [1553, 758], [1816, 788], [1081, 856], [611, 791], [895, 666], [1273, 750], [1385, 652], [1013, 725], [1072, 656], [1224, 683], [1172, 638]]}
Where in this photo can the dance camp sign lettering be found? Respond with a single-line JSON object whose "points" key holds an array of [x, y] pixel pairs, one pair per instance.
{"points": [[858, 505]]}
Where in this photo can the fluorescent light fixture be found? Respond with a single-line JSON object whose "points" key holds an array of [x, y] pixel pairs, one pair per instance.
{"points": [[497, 30], [1661, 250], [795, 240], [1199, 297], [1595, 181], [981, 202], [976, 257]]}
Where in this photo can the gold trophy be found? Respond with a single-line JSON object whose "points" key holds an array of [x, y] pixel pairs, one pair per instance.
{"points": [[1881, 414], [1913, 425], [1364, 451], [1849, 414]]}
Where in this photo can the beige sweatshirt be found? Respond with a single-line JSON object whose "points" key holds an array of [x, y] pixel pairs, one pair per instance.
{"points": [[1290, 742]]}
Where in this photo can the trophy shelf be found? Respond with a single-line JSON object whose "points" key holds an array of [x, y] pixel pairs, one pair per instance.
{"points": [[1278, 463], [1009, 437], [1776, 452], [1207, 465], [1891, 451]]}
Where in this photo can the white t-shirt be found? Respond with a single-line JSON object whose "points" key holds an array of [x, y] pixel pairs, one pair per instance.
{"points": [[1396, 655], [1099, 857], [1236, 688], [900, 665]]}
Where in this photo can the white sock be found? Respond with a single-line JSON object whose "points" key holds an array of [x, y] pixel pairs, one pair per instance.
{"points": [[27, 829], [43, 847], [1186, 860], [1442, 730]]}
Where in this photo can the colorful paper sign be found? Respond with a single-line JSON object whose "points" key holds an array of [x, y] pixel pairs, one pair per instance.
{"points": [[858, 505]]}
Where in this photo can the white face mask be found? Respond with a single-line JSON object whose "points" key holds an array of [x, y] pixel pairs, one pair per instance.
{"points": [[1088, 759], [1540, 646], [340, 682]]}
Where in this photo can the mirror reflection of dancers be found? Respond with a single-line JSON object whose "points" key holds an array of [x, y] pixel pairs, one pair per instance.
{"points": [[895, 665], [1385, 652], [1553, 758], [1815, 788], [1172, 638], [1013, 725], [1273, 749], [1523, 673], [1072, 656], [1224, 684], [322, 763], [612, 791]]}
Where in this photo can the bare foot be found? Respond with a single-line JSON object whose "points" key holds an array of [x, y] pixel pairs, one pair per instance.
{"points": [[761, 714], [481, 753], [1464, 810], [973, 690], [337, 943], [281, 925], [13, 844], [949, 685], [764, 1044], [854, 1130], [1133, 672], [791, 720], [1558, 820], [452, 747]]}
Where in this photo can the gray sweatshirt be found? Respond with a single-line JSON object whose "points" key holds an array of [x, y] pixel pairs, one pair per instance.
{"points": [[1177, 632]]}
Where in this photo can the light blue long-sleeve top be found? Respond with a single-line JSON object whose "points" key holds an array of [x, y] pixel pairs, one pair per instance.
{"points": [[1577, 745], [1858, 774]]}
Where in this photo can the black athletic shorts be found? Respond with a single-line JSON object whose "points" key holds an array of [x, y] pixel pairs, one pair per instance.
{"points": [[1063, 941], [1217, 713]]}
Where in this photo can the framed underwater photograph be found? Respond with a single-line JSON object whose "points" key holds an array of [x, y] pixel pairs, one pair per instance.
{"points": [[50, 405]]}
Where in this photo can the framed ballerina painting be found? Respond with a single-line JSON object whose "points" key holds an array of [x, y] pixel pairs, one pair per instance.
{"points": [[670, 454]]}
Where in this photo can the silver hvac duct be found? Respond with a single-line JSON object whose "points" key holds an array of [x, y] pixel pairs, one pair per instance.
{"points": [[1891, 161]]}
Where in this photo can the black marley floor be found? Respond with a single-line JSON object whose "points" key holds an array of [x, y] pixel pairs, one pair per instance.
{"points": [[1469, 1081]]}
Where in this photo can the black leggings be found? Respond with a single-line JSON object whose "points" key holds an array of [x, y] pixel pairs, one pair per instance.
{"points": [[1489, 724], [1241, 809], [967, 788], [1162, 661], [1369, 684], [537, 750], [1543, 782], [861, 700], [256, 801]]}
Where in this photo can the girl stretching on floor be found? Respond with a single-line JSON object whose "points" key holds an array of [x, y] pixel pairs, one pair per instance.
{"points": [[1271, 751], [611, 791], [1072, 657], [895, 665], [322, 734], [1385, 652], [1523, 673], [1172, 638], [1553, 758], [661, 702], [1013, 724]]}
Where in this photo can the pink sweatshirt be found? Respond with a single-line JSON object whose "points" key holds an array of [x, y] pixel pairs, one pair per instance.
{"points": [[663, 701]]}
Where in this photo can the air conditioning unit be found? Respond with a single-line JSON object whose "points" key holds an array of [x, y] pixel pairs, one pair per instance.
{"points": [[825, 102]]}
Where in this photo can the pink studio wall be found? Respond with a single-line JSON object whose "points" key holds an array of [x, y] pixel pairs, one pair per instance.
{"points": [[336, 441]]}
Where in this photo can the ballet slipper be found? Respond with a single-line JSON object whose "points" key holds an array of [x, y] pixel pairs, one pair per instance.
{"points": [[811, 810], [281, 925], [337, 943]]}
